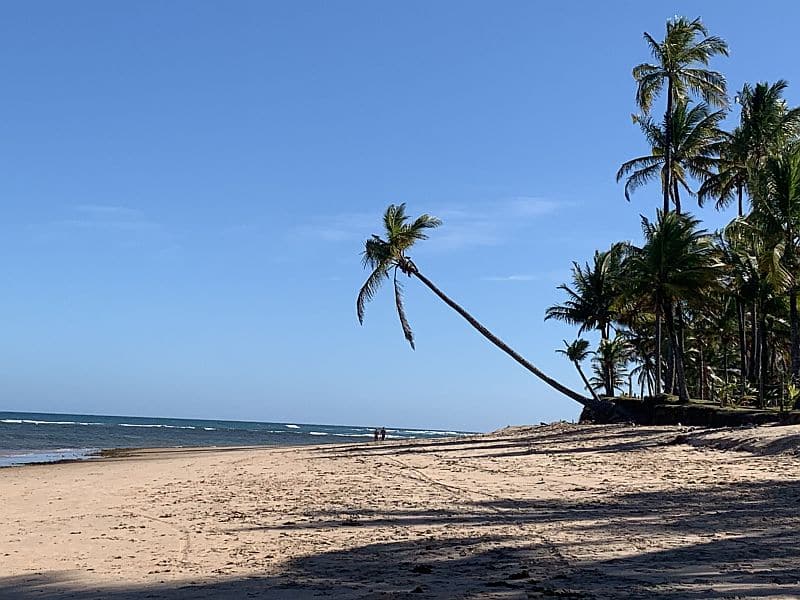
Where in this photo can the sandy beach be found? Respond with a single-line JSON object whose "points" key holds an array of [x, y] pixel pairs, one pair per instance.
{"points": [[556, 511]]}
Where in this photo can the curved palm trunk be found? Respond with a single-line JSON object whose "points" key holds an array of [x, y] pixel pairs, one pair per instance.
{"points": [[585, 381], [601, 406]]}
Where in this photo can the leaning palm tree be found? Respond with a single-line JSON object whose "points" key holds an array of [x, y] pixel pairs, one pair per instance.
{"points": [[680, 61], [685, 145], [388, 255], [676, 263], [576, 353]]}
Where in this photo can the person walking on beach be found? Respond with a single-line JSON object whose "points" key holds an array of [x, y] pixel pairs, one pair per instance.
{"points": [[383, 433], [376, 434]]}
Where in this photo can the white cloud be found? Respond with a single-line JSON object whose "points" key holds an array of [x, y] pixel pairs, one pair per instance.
{"points": [[108, 211], [464, 225], [107, 224], [511, 278], [345, 227]]}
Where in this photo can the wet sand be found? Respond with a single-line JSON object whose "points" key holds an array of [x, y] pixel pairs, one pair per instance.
{"points": [[557, 511]]}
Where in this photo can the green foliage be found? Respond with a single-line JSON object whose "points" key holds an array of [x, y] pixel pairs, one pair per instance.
{"points": [[792, 396], [695, 140], [384, 256], [679, 63], [715, 313], [676, 262], [594, 291], [577, 351], [609, 364]]}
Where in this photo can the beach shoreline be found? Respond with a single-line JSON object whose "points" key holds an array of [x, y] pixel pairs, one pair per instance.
{"points": [[53, 437], [570, 510]]}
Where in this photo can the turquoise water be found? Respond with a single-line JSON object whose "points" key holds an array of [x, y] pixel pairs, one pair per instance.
{"points": [[44, 437]]}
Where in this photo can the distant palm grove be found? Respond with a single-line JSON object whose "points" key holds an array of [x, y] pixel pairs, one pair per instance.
{"points": [[690, 313]]}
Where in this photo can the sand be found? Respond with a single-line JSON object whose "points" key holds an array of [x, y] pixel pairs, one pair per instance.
{"points": [[557, 511]]}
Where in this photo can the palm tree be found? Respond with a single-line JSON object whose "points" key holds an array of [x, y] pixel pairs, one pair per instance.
{"points": [[595, 288], [766, 121], [777, 215], [766, 125], [740, 280], [730, 179], [757, 276], [693, 136], [610, 361], [643, 354], [577, 352], [679, 62], [386, 256], [675, 263]]}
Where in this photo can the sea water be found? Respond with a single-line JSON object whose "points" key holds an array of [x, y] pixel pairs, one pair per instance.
{"points": [[43, 437]]}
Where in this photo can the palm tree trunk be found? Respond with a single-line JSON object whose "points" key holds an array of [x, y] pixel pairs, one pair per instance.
{"points": [[668, 146], [753, 367], [669, 376], [739, 187], [608, 370], [680, 324], [725, 360], [677, 352], [676, 196], [586, 381], [742, 344], [795, 335], [599, 406], [658, 353], [763, 355], [701, 378]]}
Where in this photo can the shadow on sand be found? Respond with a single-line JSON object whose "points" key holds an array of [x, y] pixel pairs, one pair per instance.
{"points": [[734, 541]]}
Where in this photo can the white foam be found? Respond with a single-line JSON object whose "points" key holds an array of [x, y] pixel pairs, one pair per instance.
{"points": [[149, 425], [34, 422], [293, 426], [316, 433]]}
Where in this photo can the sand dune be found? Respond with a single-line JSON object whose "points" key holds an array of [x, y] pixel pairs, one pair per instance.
{"points": [[565, 511]]}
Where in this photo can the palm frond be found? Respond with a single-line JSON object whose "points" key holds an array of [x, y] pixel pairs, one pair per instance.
{"points": [[401, 311], [369, 289]]}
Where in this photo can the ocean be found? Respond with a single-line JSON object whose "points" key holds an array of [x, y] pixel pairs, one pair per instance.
{"points": [[43, 437]]}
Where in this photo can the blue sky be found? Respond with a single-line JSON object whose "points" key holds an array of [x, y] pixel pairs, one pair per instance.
{"points": [[186, 187]]}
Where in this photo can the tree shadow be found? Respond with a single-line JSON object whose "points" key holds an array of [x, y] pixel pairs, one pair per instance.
{"points": [[714, 541], [609, 438]]}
